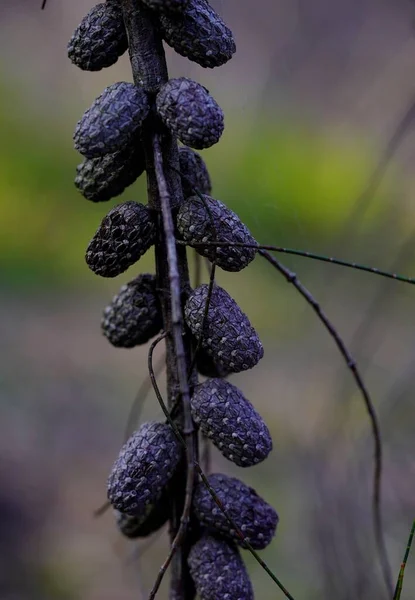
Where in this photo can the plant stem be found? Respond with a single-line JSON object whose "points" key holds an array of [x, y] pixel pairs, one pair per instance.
{"points": [[149, 69]]}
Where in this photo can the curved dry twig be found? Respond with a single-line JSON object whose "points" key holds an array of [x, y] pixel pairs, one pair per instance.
{"points": [[352, 365]]}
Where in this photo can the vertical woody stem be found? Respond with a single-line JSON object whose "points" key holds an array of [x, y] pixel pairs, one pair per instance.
{"points": [[149, 69]]}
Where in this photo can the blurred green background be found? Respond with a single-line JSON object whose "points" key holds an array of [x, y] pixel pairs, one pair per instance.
{"points": [[311, 99]]}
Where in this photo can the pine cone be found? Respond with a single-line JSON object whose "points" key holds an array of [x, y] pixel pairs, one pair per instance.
{"points": [[143, 468], [190, 112], [256, 519], [142, 526], [209, 220], [134, 316], [218, 571], [227, 418], [125, 234], [103, 178], [166, 6], [195, 175], [100, 39], [228, 336], [112, 120], [199, 33]]}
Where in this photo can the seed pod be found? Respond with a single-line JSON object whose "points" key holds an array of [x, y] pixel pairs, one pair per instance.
{"points": [[143, 468], [100, 39], [256, 519], [112, 120], [125, 234], [218, 571], [195, 175], [207, 367], [138, 526], [166, 6], [134, 316], [209, 220], [227, 418], [199, 33], [100, 179], [228, 336], [190, 112]]}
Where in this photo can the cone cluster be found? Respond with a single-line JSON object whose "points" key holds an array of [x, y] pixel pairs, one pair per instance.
{"points": [[109, 137]]}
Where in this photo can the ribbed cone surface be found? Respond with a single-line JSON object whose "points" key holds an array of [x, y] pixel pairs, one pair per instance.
{"points": [[100, 39], [112, 120], [255, 518], [218, 570], [210, 220], [227, 418], [199, 33], [134, 315], [195, 175], [228, 336], [166, 6], [190, 112], [143, 468], [124, 235], [100, 179], [134, 527]]}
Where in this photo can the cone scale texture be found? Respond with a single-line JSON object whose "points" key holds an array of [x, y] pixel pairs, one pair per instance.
{"points": [[199, 34], [100, 39], [144, 466], [256, 519], [230, 421], [228, 336], [134, 315], [100, 179], [209, 220], [190, 112], [124, 235], [218, 571], [112, 120]]}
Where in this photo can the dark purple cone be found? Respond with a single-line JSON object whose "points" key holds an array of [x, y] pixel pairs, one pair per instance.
{"points": [[218, 571], [103, 178], [134, 316], [228, 336], [112, 120], [100, 39], [227, 418], [256, 519], [143, 468], [195, 175], [209, 220], [125, 234], [199, 33], [134, 527], [190, 112]]}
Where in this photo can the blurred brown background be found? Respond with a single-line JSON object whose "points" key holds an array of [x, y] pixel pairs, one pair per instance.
{"points": [[312, 97]]}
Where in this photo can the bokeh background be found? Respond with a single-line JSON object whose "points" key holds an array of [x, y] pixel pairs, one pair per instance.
{"points": [[313, 97]]}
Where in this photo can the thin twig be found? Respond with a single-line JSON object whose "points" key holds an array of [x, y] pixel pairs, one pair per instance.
{"points": [[177, 333], [306, 254], [399, 584], [44, 4], [351, 364], [203, 476]]}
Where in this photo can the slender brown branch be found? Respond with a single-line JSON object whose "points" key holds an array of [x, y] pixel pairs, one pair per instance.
{"points": [[351, 364], [306, 254], [180, 355]]}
